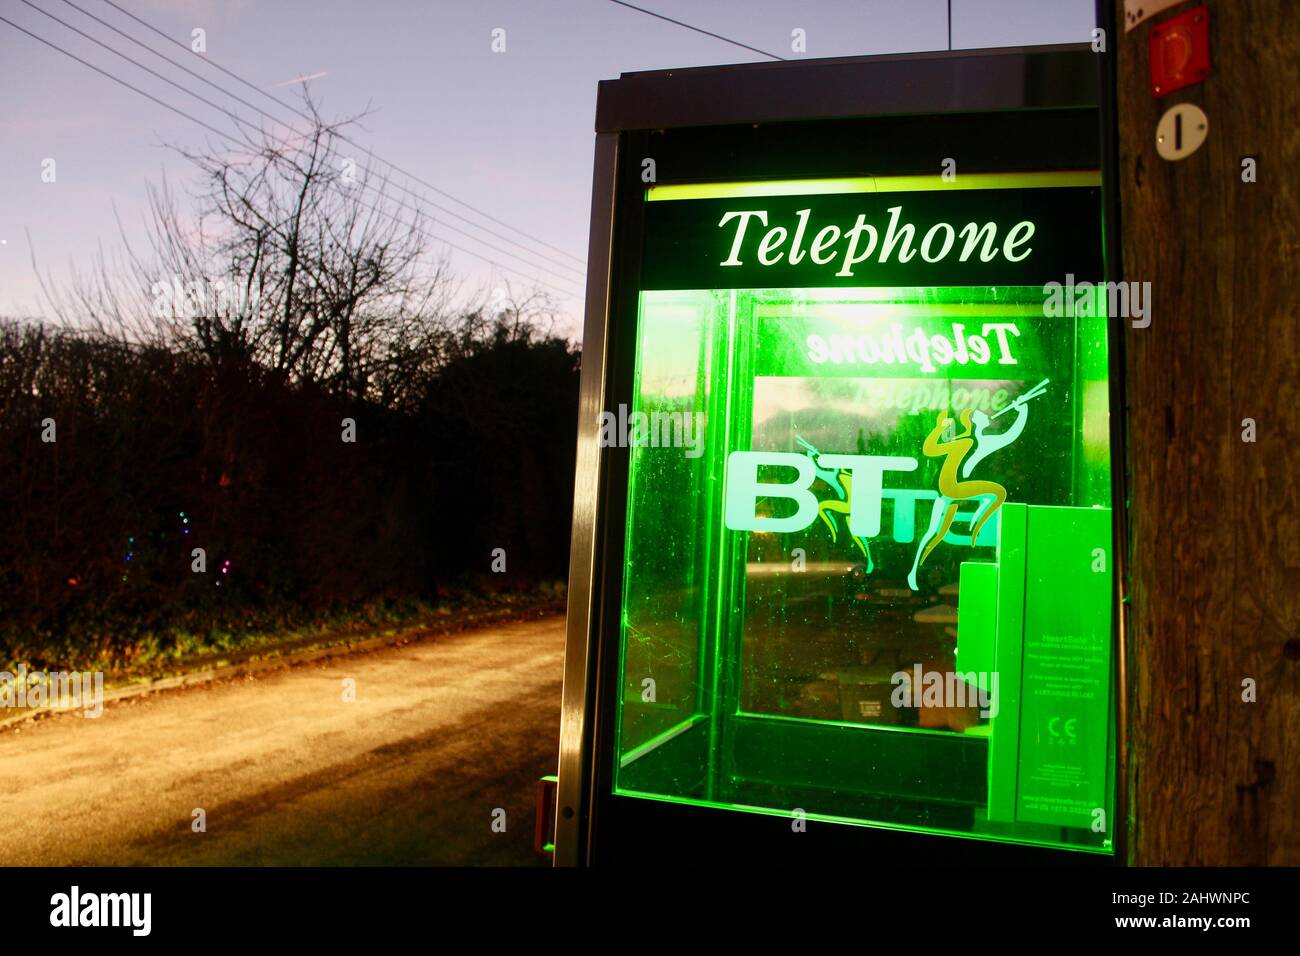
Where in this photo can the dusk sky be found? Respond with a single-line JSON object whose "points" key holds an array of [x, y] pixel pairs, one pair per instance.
{"points": [[508, 133]]}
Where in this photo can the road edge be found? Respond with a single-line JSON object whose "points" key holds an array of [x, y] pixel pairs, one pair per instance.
{"points": [[291, 659]]}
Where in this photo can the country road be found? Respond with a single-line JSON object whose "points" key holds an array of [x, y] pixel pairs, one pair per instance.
{"points": [[442, 733]]}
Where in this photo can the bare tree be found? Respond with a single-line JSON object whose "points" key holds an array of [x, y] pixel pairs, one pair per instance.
{"points": [[298, 259]]}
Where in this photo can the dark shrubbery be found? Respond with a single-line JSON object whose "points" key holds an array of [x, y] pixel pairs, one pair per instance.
{"points": [[159, 451]]}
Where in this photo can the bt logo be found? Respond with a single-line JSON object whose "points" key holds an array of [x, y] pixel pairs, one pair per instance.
{"points": [[744, 489]]}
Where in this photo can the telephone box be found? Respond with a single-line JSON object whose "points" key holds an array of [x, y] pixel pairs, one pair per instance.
{"points": [[844, 572]]}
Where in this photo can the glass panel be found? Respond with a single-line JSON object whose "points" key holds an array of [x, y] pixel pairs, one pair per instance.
{"points": [[667, 552]]}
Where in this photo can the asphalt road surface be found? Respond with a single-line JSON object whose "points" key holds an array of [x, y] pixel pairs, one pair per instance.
{"points": [[442, 733]]}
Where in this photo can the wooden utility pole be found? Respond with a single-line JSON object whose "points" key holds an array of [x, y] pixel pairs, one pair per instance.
{"points": [[1213, 389]]}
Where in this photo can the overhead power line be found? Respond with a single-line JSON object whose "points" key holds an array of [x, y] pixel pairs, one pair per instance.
{"points": [[240, 120], [707, 33], [226, 136], [302, 115]]}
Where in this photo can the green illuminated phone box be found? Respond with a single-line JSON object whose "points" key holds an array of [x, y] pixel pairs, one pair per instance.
{"points": [[851, 559]]}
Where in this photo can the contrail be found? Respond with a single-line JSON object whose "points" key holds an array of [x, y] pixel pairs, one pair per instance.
{"points": [[304, 79]]}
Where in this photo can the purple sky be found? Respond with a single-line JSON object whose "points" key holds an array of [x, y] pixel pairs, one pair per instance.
{"points": [[509, 133]]}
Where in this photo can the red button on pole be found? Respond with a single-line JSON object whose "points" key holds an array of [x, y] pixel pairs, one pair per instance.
{"points": [[1179, 50]]}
